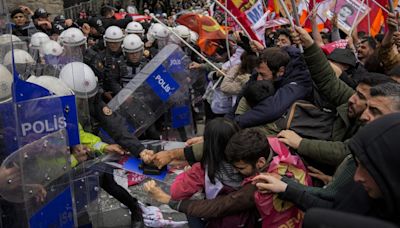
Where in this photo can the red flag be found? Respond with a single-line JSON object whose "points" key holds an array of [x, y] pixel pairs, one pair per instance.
{"points": [[208, 29], [323, 6], [377, 17], [119, 16], [238, 8]]}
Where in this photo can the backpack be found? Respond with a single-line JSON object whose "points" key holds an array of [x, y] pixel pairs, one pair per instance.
{"points": [[308, 120], [221, 103], [275, 212]]}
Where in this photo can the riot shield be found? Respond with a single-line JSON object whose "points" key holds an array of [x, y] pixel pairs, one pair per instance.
{"points": [[81, 80], [40, 161], [161, 84], [37, 185], [22, 59]]}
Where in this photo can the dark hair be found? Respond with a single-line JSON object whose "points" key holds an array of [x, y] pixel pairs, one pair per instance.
{"points": [[275, 58], [285, 32], [373, 79], [16, 11], [256, 91], [361, 34], [105, 10], [373, 63], [248, 63], [390, 89], [379, 37], [216, 135], [371, 41], [247, 145]]}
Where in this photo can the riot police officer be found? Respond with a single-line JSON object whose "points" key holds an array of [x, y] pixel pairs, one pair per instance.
{"points": [[110, 61], [81, 79], [84, 86], [24, 62], [133, 48], [135, 28], [157, 38], [74, 43], [37, 40]]}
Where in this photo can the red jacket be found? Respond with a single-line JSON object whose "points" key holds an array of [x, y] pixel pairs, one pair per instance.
{"points": [[192, 181]]}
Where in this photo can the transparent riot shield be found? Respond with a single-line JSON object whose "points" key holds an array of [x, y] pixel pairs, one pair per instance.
{"points": [[4, 18], [11, 45], [37, 186], [40, 161], [162, 83], [82, 81]]}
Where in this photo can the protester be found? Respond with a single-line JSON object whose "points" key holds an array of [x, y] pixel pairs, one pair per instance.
{"points": [[332, 105], [23, 26]]}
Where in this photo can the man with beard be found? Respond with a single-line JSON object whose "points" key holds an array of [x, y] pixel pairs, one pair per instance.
{"points": [[366, 49], [288, 71], [349, 105]]}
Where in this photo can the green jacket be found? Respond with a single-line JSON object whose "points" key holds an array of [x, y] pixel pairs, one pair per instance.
{"points": [[338, 93]]}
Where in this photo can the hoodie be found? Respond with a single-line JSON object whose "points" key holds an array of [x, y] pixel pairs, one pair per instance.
{"points": [[377, 148], [295, 85]]}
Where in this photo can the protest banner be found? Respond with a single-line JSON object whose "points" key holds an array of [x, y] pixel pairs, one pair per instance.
{"points": [[347, 11]]}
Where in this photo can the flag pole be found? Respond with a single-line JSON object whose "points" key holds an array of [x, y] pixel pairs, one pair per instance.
{"points": [[382, 7], [391, 8], [369, 20], [234, 18], [283, 5], [358, 14], [189, 46], [226, 38]]}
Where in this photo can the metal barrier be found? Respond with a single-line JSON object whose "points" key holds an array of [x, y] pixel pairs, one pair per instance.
{"points": [[73, 11]]}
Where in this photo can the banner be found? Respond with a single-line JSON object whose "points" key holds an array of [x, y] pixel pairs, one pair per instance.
{"points": [[247, 12], [277, 22], [306, 6], [328, 48], [347, 11]]}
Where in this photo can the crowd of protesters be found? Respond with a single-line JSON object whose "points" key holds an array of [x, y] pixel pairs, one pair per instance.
{"points": [[337, 112]]}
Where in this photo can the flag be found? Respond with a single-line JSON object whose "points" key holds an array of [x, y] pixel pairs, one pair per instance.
{"points": [[322, 7], [120, 16], [140, 18], [205, 26], [247, 12], [260, 26], [273, 6], [208, 29], [377, 17]]}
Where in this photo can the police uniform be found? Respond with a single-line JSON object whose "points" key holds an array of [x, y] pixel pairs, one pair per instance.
{"points": [[106, 66], [114, 124], [92, 59], [114, 67], [131, 69]]}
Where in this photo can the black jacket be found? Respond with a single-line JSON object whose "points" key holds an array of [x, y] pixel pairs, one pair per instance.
{"points": [[376, 146], [295, 85], [107, 22], [115, 125], [24, 31]]}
